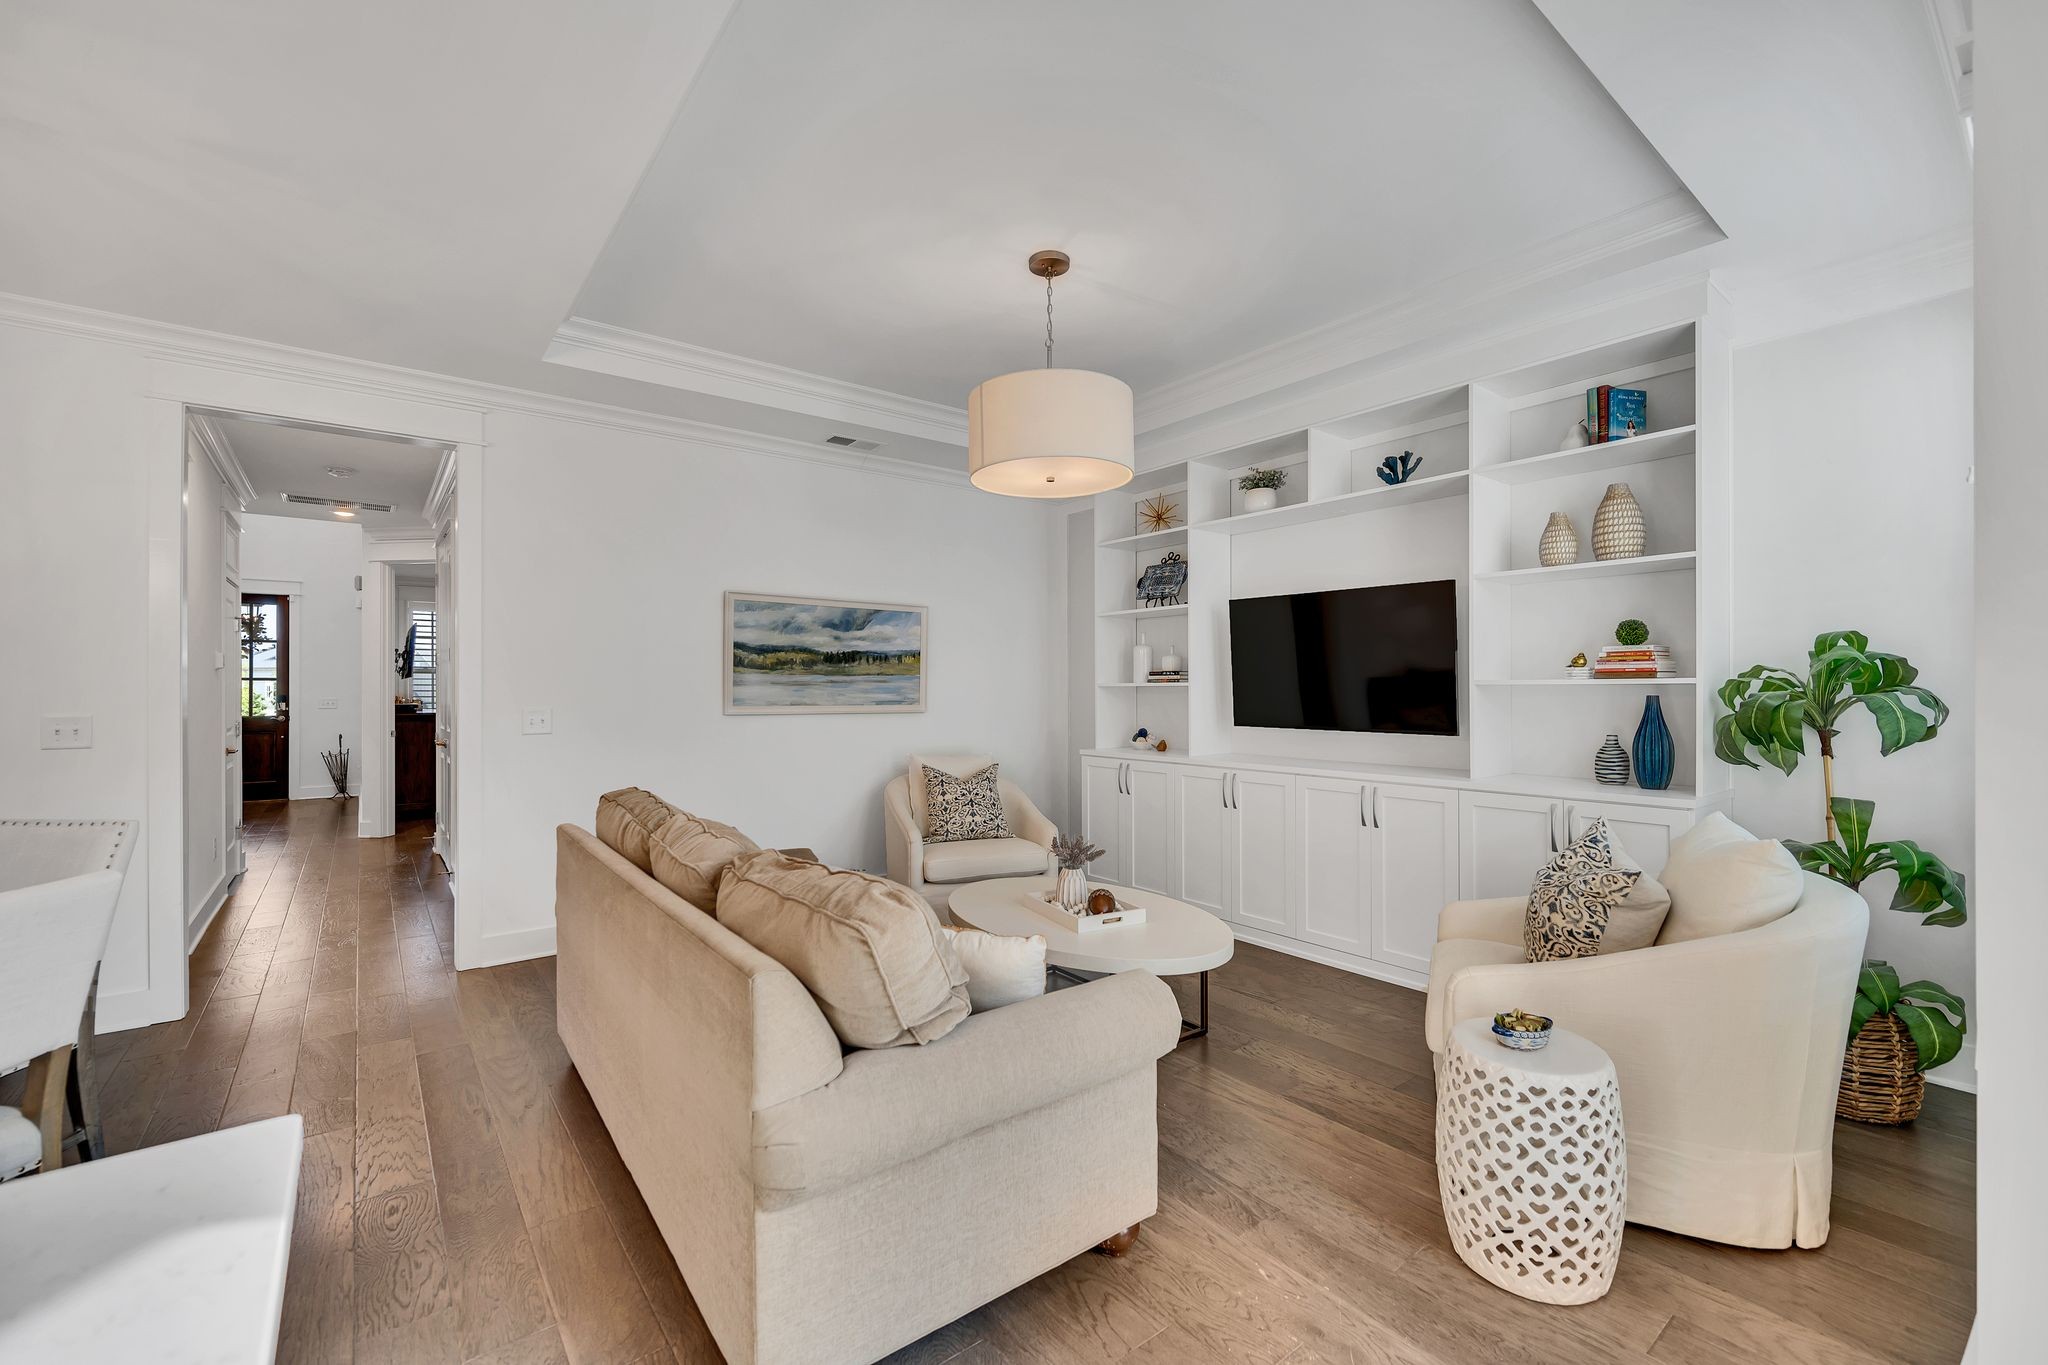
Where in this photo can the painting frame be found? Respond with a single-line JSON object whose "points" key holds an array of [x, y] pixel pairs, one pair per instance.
{"points": [[735, 706]]}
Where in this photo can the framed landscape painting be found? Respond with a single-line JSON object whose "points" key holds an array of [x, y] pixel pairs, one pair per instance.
{"points": [[817, 655]]}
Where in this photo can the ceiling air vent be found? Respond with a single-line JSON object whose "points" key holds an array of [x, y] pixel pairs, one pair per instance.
{"points": [[852, 443], [308, 500]]}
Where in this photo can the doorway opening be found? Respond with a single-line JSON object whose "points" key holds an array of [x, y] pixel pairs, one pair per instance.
{"points": [[265, 696]]}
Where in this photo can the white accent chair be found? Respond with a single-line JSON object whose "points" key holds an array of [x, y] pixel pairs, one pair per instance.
{"points": [[933, 870], [1729, 1051], [59, 883]]}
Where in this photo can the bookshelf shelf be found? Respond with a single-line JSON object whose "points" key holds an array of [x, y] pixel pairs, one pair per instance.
{"points": [[1650, 446], [1598, 568], [1586, 682], [1140, 613], [1150, 540], [1454, 484], [1148, 686]]}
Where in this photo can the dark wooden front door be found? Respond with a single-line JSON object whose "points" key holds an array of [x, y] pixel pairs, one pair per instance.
{"points": [[266, 693]]}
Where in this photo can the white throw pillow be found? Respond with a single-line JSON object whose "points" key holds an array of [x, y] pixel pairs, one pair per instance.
{"points": [[1635, 922], [1001, 970], [1723, 880]]}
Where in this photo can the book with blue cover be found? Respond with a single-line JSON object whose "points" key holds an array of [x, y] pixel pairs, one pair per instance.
{"points": [[1627, 414]]}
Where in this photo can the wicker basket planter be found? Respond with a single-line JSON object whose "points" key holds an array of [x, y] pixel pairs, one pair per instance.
{"points": [[1881, 1079]]}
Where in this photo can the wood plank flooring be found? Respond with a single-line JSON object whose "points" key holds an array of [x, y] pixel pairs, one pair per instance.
{"points": [[461, 1201]]}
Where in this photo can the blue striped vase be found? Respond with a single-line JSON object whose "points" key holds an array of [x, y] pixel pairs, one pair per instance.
{"points": [[1653, 751]]}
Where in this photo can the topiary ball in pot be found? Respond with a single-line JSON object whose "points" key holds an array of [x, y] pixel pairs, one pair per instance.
{"points": [[1631, 633]]}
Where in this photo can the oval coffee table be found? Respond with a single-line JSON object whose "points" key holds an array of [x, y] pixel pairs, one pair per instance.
{"points": [[1176, 939]]}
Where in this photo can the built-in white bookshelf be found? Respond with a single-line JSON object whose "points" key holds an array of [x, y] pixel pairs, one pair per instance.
{"points": [[1496, 445]]}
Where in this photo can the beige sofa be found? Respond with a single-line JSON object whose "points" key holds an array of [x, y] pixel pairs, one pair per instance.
{"points": [[826, 1206], [933, 870], [1729, 1051]]}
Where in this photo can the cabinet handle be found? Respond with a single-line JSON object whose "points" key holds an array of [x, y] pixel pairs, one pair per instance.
{"points": [[1375, 807], [231, 749], [1362, 821], [1223, 790], [1553, 826], [1565, 825]]}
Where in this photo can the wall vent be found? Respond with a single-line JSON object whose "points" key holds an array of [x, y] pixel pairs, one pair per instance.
{"points": [[308, 500], [852, 443]]}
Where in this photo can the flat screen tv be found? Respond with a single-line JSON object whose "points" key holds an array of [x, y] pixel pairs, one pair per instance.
{"points": [[1382, 660]]}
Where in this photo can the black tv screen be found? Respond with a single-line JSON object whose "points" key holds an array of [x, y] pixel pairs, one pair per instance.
{"points": [[1382, 660]]}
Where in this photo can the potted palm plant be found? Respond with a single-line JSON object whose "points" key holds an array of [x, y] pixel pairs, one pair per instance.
{"points": [[1896, 1034]]}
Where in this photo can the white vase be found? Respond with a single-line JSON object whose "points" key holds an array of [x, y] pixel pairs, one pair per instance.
{"points": [[1141, 660], [1261, 499], [1073, 889]]}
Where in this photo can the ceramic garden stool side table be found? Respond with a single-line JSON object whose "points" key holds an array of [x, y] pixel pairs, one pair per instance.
{"points": [[1530, 1162]]}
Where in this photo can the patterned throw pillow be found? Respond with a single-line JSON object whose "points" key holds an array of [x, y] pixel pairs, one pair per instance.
{"points": [[1575, 896], [969, 807]]}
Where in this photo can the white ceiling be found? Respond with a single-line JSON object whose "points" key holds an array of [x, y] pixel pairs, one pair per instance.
{"points": [[820, 226], [852, 190], [285, 459]]}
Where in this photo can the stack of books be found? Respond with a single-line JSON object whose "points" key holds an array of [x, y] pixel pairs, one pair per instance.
{"points": [[1163, 675], [1616, 414], [1634, 661]]}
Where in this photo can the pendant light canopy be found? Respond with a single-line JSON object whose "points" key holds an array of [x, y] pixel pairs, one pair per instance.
{"points": [[1050, 433]]}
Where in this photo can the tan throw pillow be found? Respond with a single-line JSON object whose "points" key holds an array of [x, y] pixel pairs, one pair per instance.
{"points": [[1001, 969], [627, 820], [870, 952], [1635, 922], [1574, 898], [690, 853], [958, 808], [1723, 880]]}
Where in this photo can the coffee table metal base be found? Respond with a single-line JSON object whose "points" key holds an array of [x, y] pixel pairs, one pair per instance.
{"points": [[1189, 1028]]}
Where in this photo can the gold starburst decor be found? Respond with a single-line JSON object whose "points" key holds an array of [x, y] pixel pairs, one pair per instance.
{"points": [[1158, 513]]}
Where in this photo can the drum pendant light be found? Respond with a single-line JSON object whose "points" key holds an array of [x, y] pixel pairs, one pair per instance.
{"points": [[1050, 433]]}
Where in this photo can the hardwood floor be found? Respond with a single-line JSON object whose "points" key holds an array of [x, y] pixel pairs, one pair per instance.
{"points": [[462, 1202]]}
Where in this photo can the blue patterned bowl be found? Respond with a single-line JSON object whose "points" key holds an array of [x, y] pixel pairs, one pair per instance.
{"points": [[1524, 1040]]}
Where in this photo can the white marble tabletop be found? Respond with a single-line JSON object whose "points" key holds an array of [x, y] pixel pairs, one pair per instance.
{"points": [[173, 1254], [1176, 939]]}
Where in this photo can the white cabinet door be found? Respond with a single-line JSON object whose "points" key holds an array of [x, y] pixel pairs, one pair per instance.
{"points": [[1506, 840], [1333, 863], [1149, 791], [1645, 831], [1103, 817], [1416, 871], [1204, 833], [1263, 805]]}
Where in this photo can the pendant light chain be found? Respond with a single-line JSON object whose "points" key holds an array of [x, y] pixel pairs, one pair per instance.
{"points": [[1048, 319]]}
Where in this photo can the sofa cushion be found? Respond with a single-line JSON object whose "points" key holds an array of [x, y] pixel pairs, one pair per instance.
{"points": [[690, 853], [971, 859], [627, 820], [959, 765], [1723, 880], [871, 953], [1450, 956], [1001, 968], [1575, 896]]}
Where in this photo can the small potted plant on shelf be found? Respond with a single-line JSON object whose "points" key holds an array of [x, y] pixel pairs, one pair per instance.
{"points": [[1896, 1033], [1073, 854], [1261, 488]]}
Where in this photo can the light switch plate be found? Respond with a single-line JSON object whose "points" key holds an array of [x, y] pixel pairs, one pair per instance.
{"points": [[328, 704], [539, 721], [67, 732]]}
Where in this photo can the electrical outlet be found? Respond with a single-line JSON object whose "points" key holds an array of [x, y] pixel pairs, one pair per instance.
{"points": [[67, 732], [328, 704], [539, 721]]}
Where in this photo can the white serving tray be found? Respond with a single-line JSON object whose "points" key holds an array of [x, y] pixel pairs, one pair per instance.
{"points": [[1047, 902]]}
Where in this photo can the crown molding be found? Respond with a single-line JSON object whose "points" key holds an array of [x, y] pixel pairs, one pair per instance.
{"points": [[590, 345], [220, 453], [1786, 304], [194, 346], [1665, 226]]}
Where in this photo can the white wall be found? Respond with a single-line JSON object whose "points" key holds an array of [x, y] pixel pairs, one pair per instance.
{"points": [[1853, 511], [606, 559], [324, 558], [2012, 645], [208, 661]]}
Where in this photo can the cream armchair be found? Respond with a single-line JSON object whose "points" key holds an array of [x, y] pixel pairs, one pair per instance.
{"points": [[933, 870], [1729, 1052]]}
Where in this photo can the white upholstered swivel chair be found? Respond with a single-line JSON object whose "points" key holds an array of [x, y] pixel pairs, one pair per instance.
{"points": [[59, 882], [934, 869]]}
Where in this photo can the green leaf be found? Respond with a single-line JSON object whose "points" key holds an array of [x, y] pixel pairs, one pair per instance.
{"points": [[1879, 983], [1927, 993], [1898, 723], [1828, 859], [1833, 639], [1861, 1012], [1935, 1036], [1852, 823], [1729, 745], [1927, 885], [1893, 670]]}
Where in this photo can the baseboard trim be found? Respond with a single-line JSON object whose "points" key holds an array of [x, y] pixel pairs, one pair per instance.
{"points": [[1960, 1074], [124, 1010], [323, 792], [195, 928], [1332, 957], [514, 945]]}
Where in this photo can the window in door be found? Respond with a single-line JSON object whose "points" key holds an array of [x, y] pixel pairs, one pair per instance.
{"points": [[421, 619], [262, 656]]}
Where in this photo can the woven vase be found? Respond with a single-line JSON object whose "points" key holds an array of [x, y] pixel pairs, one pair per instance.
{"points": [[1881, 1080], [1618, 531], [1560, 543]]}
